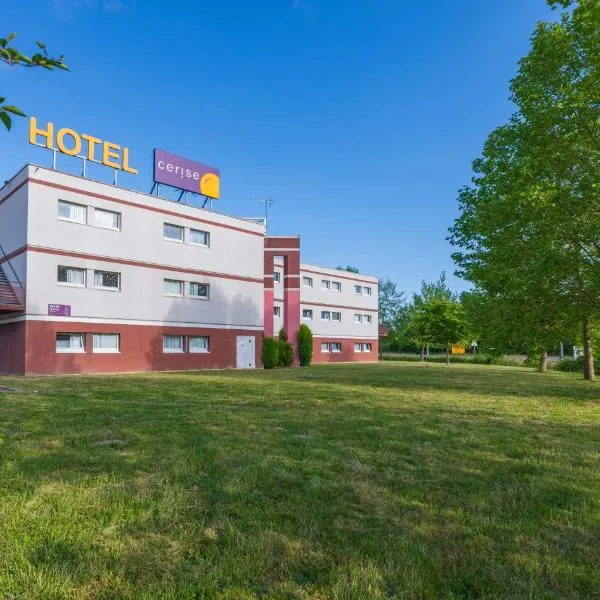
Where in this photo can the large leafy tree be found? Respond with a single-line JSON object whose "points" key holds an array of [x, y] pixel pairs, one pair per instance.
{"points": [[529, 229], [14, 58], [391, 303]]}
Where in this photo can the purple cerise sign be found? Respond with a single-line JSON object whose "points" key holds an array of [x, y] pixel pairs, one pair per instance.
{"points": [[59, 310], [185, 174]]}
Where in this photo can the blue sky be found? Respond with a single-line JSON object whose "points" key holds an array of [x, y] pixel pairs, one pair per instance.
{"points": [[360, 118]]}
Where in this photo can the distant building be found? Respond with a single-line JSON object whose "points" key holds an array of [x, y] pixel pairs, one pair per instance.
{"points": [[96, 278]]}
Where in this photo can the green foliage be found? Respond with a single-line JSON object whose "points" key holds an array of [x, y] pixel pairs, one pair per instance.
{"points": [[529, 227], [391, 302], [286, 354], [572, 365], [305, 345], [13, 57], [440, 321], [472, 359], [283, 337], [349, 269], [270, 353]]}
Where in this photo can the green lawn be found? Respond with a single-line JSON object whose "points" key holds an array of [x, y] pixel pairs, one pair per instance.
{"points": [[349, 482]]}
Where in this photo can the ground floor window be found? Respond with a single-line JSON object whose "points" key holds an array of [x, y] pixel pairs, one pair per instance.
{"points": [[198, 344], [70, 342], [336, 347], [106, 342], [172, 343], [324, 347], [366, 347]]}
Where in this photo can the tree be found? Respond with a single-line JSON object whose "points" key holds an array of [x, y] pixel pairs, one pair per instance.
{"points": [[529, 229], [349, 269], [14, 58], [305, 345], [440, 321], [391, 302]]}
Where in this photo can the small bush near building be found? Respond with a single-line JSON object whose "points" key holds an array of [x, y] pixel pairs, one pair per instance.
{"points": [[270, 353], [286, 354], [305, 345]]}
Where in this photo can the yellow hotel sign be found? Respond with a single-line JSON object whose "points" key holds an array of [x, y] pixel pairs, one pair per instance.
{"points": [[68, 141]]}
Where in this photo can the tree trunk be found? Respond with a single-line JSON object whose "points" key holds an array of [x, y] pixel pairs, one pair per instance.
{"points": [[543, 364], [448, 354], [422, 353], [588, 355]]}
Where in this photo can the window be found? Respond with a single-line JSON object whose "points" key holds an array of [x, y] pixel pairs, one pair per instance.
{"points": [[367, 319], [357, 289], [307, 314], [336, 286], [325, 285], [199, 238], [367, 347], [277, 276], [172, 343], [357, 318], [107, 280], [106, 342], [277, 311], [70, 342], [336, 316], [197, 344], [325, 315], [72, 276], [367, 291], [172, 287], [358, 347], [173, 232], [324, 347], [67, 211], [307, 281], [199, 290], [107, 219], [336, 347]]}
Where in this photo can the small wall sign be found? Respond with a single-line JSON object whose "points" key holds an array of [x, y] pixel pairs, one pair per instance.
{"points": [[59, 310]]}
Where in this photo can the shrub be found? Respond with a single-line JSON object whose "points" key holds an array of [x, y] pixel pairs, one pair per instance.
{"points": [[283, 337], [305, 345], [286, 354], [270, 353], [569, 365]]}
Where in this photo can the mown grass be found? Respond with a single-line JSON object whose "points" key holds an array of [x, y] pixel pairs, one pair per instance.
{"points": [[348, 482]]}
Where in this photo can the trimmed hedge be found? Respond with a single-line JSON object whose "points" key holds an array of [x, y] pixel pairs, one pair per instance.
{"points": [[305, 345], [479, 359]]}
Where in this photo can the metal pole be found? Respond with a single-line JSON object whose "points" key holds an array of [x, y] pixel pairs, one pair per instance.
{"points": [[267, 202]]}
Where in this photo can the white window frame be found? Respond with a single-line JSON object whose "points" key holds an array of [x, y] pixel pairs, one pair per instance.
{"points": [[170, 239], [358, 347], [358, 290], [111, 212], [196, 297], [191, 350], [66, 283], [358, 318], [70, 350], [307, 281], [181, 287], [337, 289], [338, 344], [367, 319], [276, 276], [107, 288], [326, 312], [68, 219], [325, 284], [206, 233], [116, 350], [177, 350], [367, 291], [277, 311], [311, 314], [367, 347], [325, 347], [335, 312]]}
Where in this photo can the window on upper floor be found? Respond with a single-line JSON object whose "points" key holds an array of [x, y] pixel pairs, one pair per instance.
{"points": [[325, 315], [106, 343], [107, 219], [173, 233], [199, 290], [71, 276], [69, 211], [358, 289], [336, 316], [367, 319], [325, 284], [357, 318], [336, 286], [307, 281], [277, 276], [173, 287], [367, 291], [307, 314], [107, 280], [70, 342], [199, 238], [277, 311]]}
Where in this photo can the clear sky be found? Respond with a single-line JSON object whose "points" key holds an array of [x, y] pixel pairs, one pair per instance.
{"points": [[361, 118]]}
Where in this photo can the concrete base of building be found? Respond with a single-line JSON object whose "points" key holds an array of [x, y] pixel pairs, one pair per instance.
{"points": [[29, 348]]}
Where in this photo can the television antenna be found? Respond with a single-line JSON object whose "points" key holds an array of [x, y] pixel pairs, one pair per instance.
{"points": [[267, 202]]}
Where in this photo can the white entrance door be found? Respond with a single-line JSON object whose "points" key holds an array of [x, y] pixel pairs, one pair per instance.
{"points": [[245, 352]]}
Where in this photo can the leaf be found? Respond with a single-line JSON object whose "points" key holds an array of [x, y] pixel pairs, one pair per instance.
{"points": [[5, 119], [2, 100], [11, 37], [41, 45], [14, 110]]}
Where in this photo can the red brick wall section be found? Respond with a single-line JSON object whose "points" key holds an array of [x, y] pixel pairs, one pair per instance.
{"points": [[12, 348], [141, 349], [347, 354]]}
